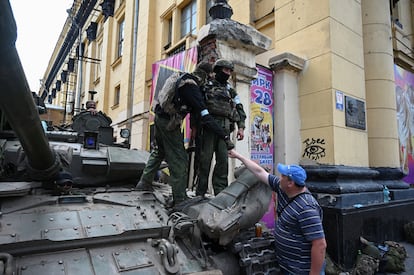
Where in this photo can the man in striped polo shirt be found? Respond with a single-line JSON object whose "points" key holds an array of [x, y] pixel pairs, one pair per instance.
{"points": [[299, 237]]}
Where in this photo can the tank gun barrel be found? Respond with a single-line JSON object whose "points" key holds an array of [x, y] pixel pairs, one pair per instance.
{"points": [[17, 104]]}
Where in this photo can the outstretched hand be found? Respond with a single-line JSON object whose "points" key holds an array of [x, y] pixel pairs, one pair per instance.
{"points": [[233, 153]]}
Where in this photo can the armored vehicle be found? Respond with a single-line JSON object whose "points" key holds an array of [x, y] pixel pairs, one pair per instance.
{"points": [[69, 206]]}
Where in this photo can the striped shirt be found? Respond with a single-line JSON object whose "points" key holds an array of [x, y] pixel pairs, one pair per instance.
{"points": [[299, 223]]}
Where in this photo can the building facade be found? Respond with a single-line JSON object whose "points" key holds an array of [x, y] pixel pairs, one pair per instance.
{"points": [[342, 85], [349, 50]]}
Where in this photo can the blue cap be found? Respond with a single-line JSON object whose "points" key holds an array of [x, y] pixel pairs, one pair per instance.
{"points": [[295, 172]]}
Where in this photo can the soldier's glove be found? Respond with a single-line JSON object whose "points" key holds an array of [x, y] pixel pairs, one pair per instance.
{"points": [[209, 122], [229, 144]]}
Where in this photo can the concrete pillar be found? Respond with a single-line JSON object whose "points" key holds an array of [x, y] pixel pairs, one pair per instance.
{"points": [[231, 40], [286, 134], [383, 148]]}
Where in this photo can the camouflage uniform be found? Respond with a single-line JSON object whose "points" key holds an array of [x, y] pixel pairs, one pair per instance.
{"points": [[169, 146], [169, 138], [224, 105]]}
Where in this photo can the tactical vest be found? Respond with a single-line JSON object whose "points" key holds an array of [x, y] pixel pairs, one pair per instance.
{"points": [[218, 100], [182, 108], [168, 97]]}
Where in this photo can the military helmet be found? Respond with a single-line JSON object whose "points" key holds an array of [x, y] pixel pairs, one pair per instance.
{"points": [[224, 64]]}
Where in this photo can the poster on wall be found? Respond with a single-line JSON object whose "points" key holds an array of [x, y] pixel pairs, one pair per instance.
{"points": [[404, 94], [185, 61], [261, 119], [261, 130]]}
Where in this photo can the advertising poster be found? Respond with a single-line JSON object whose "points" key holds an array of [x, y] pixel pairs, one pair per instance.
{"points": [[261, 130], [404, 94], [261, 119]]}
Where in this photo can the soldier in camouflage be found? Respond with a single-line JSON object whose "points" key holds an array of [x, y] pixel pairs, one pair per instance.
{"points": [[224, 105], [169, 140]]}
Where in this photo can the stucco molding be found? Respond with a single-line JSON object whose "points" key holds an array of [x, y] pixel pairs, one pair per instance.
{"points": [[287, 61], [235, 34]]}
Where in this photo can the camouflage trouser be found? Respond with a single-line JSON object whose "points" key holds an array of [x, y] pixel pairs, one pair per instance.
{"points": [[210, 144], [170, 147]]}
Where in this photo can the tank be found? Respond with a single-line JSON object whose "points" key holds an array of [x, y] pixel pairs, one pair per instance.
{"points": [[69, 205]]}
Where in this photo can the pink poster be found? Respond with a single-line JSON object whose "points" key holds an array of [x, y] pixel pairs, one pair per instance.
{"points": [[261, 118], [261, 130], [404, 94]]}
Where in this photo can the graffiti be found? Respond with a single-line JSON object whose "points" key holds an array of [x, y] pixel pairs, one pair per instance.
{"points": [[314, 148]]}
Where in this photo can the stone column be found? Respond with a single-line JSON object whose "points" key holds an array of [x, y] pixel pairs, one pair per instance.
{"points": [[231, 40], [379, 84], [286, 134]]}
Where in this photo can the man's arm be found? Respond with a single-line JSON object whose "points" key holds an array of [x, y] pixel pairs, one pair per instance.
{"points": [[192, 96], [317, 256], [255, 168]]}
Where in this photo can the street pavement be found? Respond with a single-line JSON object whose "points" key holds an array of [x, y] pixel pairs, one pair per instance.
{"points": [[409, 262]]}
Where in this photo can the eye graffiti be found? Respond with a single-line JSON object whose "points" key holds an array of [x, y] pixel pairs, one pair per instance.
{"points": [[314, 149]]}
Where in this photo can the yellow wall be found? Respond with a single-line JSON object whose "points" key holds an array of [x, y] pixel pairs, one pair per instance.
{"points": [[328, 34]]}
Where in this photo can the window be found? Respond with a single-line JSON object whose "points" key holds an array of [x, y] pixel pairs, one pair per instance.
{"points": [[167, 33], [189, 19], [121, 36], [395, 13], [117, 95], [209, 4], [169, 38]]}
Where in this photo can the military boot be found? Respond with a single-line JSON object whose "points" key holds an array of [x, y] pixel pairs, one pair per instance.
{"points": [[143, 185]]}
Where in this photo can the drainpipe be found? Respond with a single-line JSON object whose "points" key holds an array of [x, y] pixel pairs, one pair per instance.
{"points": [[80, 65], [79, 90], [130, 106]]}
